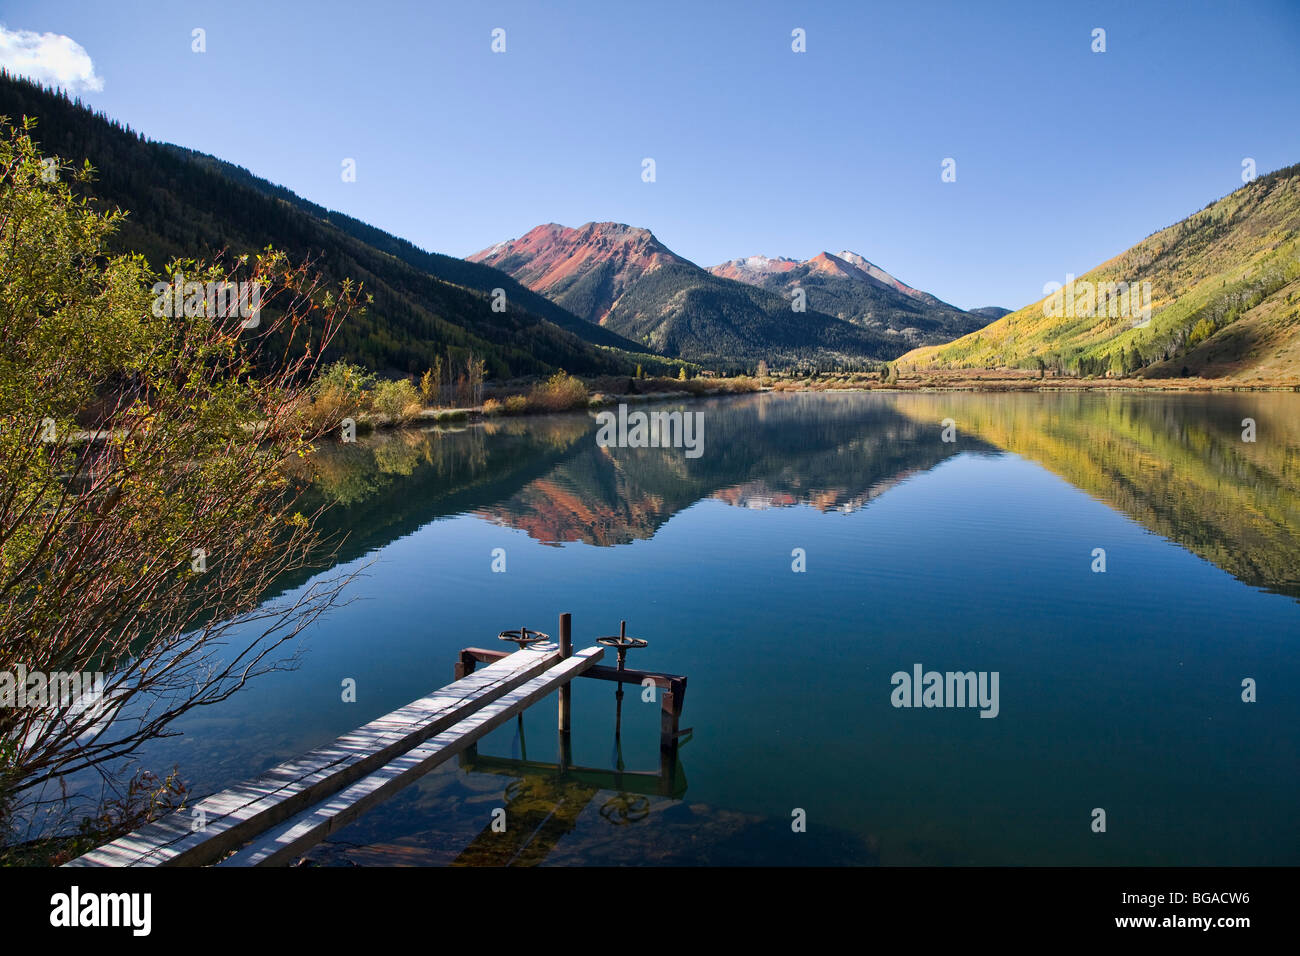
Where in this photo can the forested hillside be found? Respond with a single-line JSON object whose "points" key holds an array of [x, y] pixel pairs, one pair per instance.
{"points": [[1224, 302], [188, 205]]}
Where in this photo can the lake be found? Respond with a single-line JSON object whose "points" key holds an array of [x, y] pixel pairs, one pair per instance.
{"points": [[1118, 690]]}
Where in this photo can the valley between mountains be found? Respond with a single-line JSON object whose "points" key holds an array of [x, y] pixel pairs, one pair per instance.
{"points": [[607, 298]]}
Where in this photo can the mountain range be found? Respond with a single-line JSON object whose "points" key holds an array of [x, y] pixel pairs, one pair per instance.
{"points": [[1215, 295], [186, 204], [623, 300], [851, 288], [625, 279]]}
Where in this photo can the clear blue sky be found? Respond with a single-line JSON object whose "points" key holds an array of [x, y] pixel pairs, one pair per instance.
{"points": [[1065, 157]]}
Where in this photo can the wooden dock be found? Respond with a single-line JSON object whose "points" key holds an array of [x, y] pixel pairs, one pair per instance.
{"points": [[287, 841], [274, 818]]}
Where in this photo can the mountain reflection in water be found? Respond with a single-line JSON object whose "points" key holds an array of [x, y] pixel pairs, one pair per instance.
{"points": [[1175, 463]]}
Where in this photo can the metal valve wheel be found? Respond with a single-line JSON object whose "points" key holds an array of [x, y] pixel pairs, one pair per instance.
{"points": [[523, 637], [622, 643]]}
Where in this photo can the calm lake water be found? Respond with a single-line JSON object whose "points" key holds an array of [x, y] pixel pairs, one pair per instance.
{"points": [[1119, 690]]}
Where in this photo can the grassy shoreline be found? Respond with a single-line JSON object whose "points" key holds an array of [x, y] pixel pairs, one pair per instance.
{"points": [[966, 381], [1005, 380]]}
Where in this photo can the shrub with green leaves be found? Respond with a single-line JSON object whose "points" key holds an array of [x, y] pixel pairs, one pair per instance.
{"points": [[398, 400], [146, 497], [558, 393]]}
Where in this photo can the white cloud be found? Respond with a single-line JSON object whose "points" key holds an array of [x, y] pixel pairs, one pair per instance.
{"points": [[49, 58]]}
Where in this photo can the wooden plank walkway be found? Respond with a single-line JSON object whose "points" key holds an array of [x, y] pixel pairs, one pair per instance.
{"points": [[235, 816], [285, 842]]}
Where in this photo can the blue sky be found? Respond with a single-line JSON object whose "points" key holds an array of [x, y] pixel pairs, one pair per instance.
{"points": [[1064, 157]]}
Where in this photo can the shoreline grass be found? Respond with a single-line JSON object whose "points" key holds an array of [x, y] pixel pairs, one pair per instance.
{"points": [[566, 394]]}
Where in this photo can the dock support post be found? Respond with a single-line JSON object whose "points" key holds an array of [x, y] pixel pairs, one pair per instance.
{"points": [[465, 665], [670, 713], [566, 692], [668, 722]]}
